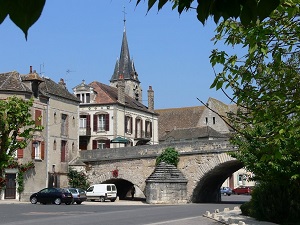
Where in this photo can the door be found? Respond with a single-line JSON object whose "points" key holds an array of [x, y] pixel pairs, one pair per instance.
{"points": [[10, 190]]}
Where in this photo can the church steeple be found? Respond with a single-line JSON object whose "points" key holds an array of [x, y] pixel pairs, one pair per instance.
{"points": [[125, 67]]}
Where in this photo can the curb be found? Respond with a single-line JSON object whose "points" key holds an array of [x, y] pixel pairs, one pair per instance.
{"points": [[217, 216]]}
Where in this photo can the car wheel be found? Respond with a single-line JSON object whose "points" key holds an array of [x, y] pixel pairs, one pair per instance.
{"points": [[57, 201], [68, 203], [102, 199], [33, 200], [112, 200], [228, 194], [79, 202]]}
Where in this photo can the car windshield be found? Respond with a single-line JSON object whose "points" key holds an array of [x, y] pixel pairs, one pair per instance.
{"points": [[73, 190]]}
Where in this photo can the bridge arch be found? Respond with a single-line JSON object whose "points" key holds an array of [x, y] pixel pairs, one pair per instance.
{"points": [[213, 174]]}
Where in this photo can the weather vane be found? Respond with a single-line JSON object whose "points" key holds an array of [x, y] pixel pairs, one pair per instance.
{"points": [[124, 16]]}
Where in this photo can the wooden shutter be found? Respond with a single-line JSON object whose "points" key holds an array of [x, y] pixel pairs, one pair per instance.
{"points": [[125, 124], [136, 130], [150, 129], [107, 143], [42, 150], [95, 122], [37, 114], [142, 129], [94, 144], [20, 153], [63, 151], [88, 121], [32, 151], [107, 122], [131, 124]]}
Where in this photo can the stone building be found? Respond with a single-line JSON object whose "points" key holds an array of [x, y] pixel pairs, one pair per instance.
{"points": [[113, 116], [52, 148], [200, 123]]}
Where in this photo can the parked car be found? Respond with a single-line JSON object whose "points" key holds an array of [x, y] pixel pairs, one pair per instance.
{"points": [[102, 192], [52, 195], [79, 195], [226, 191], [242, 190]]}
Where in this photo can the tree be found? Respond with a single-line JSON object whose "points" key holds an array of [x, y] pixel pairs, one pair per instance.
{"points": [[24, 13], [16, 127], [265, 82], [169, 156], [77, 179]]}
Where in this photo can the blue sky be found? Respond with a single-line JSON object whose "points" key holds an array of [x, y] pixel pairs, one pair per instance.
{"points": [[76, 40]]}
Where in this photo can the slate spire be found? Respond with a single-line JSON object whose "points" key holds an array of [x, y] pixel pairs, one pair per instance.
{"points": [[124, 65]]}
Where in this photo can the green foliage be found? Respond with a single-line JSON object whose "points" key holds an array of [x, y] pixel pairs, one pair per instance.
{"points": [[247, 11], [264, 79], [16, 127], [77, 179], [169, 156], [24, 13], [275, 202]]}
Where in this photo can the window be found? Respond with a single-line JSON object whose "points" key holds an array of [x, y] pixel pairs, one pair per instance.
{"points": [[214, 120], [64, 124], [82, 122], [101, 122], [63, 151], [38, 117], [54, 145], [138, 128], [88, 98], [148, 129], [101, 144], [206, 120], [128, 124], [38, 149]]}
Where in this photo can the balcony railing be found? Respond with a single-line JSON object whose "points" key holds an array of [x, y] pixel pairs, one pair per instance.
{"points": [[86, 131]]}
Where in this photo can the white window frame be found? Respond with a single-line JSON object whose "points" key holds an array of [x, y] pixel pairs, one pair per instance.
{"points": [[101, 122]]}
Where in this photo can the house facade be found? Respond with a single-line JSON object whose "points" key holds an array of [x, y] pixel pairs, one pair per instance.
{"points": [[113, 116], [52, 148]]}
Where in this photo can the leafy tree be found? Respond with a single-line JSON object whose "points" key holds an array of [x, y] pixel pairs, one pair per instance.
{"points": [[169, 155], [24, 13], [16, 127], [77, 179], [265, 82]]}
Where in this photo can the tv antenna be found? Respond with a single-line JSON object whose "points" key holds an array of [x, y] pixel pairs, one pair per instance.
{"points": [[42, 72]]}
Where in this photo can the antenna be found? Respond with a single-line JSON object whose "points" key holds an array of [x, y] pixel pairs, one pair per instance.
{"points": [[41, 65], [68, 71]]}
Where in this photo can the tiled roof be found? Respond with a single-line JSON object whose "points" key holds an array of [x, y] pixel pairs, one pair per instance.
{"points": [[175, 118], [52, 88], [192, 133], [109, 95], [12, 81]]}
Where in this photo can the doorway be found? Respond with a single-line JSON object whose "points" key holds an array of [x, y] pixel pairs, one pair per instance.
{"points": [[10, 190]]}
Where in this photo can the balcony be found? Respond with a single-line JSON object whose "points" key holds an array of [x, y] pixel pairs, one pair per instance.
{"points": [[85, 131]]}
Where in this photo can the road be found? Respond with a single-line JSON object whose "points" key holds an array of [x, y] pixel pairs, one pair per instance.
{"points": [[108, 213]]}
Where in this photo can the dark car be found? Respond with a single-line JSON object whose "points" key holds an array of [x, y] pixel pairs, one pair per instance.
{"points": [[226, 191], [52, 195], [242, 190], [79, 195]]}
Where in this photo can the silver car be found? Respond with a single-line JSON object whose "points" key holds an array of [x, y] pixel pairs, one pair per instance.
{"points": [[79, 195]]}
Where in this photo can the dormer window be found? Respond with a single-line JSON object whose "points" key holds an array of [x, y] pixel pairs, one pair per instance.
{"points": [[84, 97]]}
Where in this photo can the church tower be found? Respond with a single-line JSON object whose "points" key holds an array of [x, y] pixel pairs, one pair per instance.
{"points": [[125, 68]]}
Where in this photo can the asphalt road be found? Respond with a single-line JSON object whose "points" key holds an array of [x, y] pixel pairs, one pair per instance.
{"points": [[108, 213]]}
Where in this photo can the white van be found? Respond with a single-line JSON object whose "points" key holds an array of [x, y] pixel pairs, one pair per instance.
{"points": [[102, 192]]}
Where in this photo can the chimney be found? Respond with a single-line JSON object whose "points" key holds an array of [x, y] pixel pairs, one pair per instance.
{"points": [[121, 89], [150, 99], [62, 83], [30, 70]]}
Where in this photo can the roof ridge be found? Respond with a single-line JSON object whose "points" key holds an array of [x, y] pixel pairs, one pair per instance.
{"points": [[10, 74]]}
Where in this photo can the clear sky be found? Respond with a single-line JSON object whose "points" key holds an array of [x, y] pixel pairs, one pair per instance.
{"points": [[81, 39]]}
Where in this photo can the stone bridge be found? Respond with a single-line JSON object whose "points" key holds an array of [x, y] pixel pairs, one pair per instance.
{"points": [[205, 164]]}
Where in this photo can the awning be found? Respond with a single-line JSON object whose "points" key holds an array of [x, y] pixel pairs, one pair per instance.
{"points": [[119, 140]]}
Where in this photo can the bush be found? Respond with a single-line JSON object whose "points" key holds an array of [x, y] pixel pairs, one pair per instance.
{"points": [[77, 179], [275, 202], [169, 156]]}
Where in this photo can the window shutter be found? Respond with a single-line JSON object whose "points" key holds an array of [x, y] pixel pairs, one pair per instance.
{"points": [[107, 143], [95, 122], [37, 115], [142, 129], [125, 124], [107, 122], [130, 124], [42, 150], [150, 129], [94, 144], [32, 151], [20, 153], [136, 130], [88, 121]]}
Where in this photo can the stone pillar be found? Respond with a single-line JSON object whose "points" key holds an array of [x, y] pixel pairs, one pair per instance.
{"points": [[166, 185]]}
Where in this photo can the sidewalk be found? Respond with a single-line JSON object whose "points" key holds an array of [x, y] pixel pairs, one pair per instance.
{"points": [[234, 217]]}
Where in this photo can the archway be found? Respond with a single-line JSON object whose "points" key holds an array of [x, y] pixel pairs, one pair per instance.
{"points": [[208, 188]]}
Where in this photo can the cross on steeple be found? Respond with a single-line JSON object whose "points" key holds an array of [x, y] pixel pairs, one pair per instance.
{"points": [[124, 17]]}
